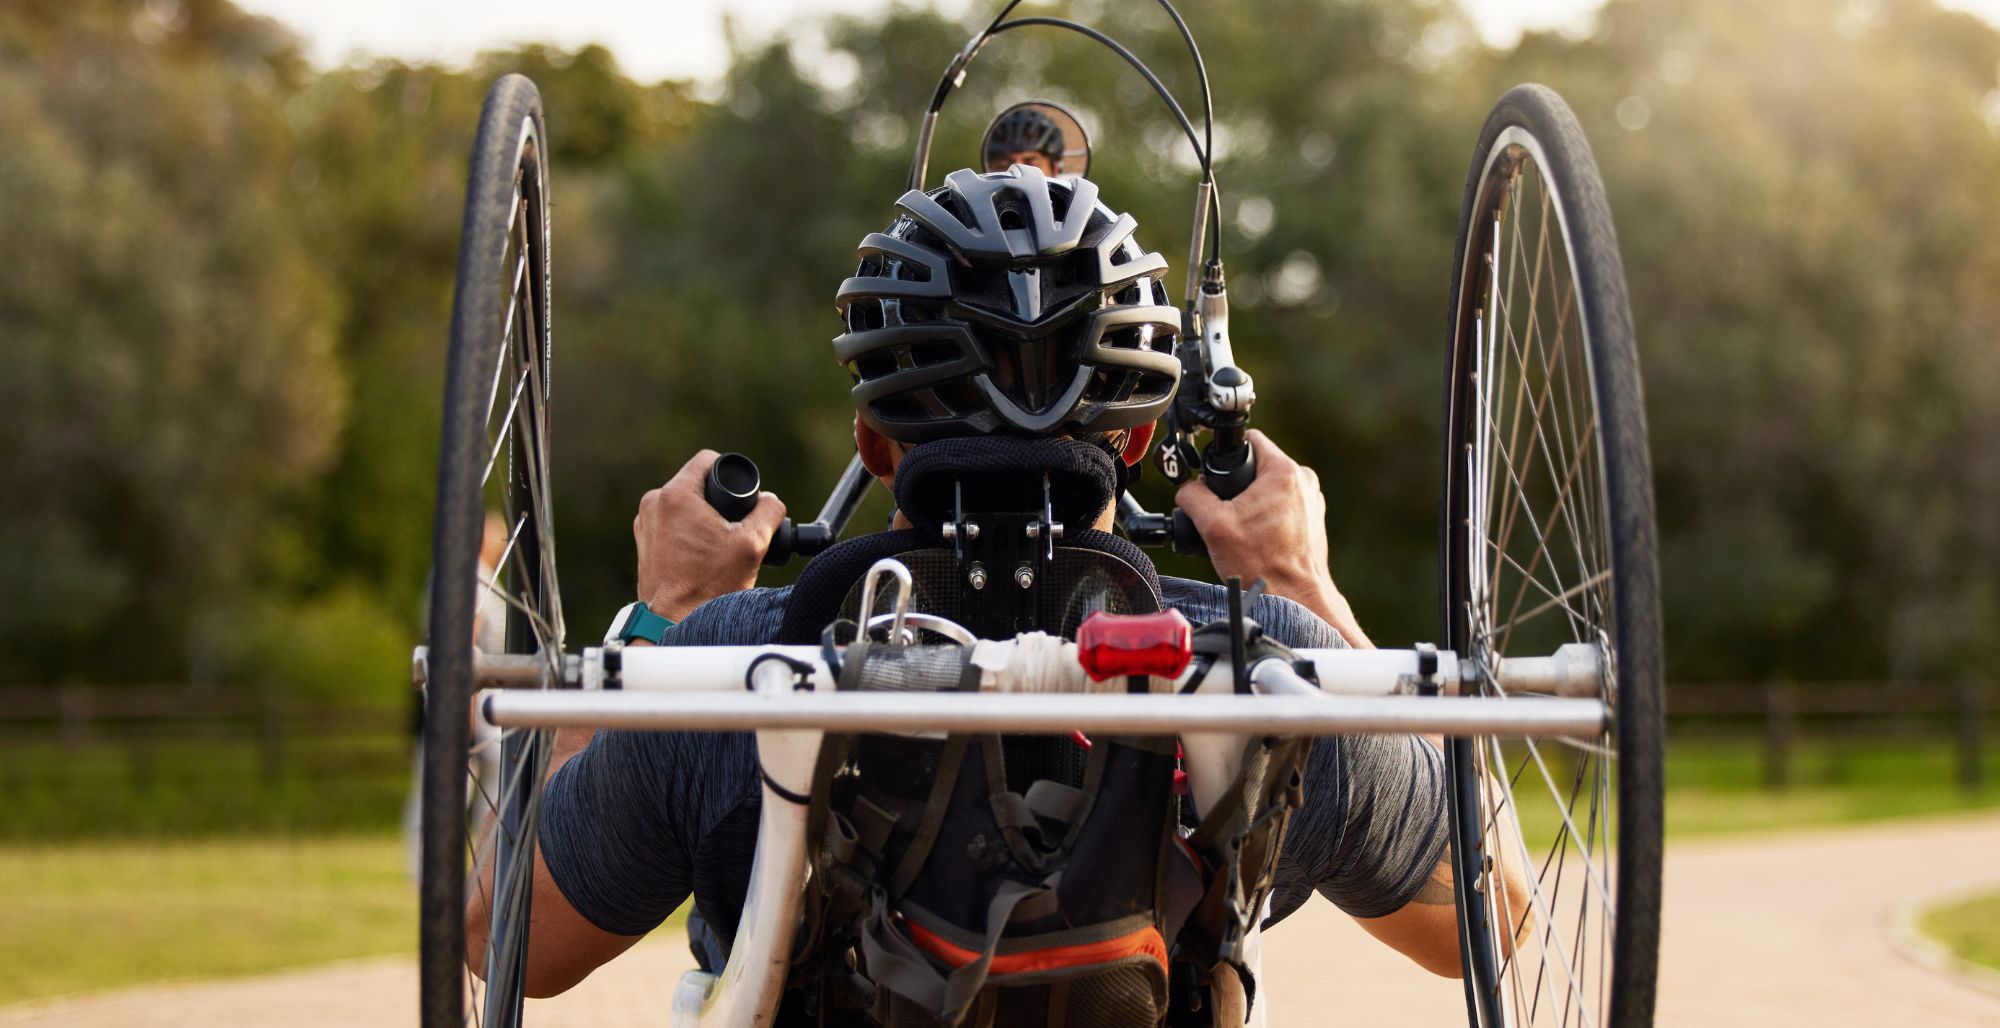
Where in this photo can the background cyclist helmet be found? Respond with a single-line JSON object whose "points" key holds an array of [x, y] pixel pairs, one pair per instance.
{"points": [[1020, 136], [1007, 303]]}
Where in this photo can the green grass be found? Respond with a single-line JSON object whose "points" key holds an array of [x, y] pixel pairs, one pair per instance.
{"points": [[1717, 786], [181, 787], [1969, 928], [82, 917]]}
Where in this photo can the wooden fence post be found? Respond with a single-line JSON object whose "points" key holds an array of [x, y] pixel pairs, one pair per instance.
{"points": [[1781, 724], [139, 755], [270, 738], [1971, 721], [73, 707]]}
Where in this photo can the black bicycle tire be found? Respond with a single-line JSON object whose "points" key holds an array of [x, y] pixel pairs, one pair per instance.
{"points": [[1619, 400], [512, 108]]}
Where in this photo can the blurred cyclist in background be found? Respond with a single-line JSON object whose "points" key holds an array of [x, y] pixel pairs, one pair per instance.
{"points": [[1026, 134]]}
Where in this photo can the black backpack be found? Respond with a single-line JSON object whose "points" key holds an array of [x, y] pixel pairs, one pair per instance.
{"points": [[1019, 880]]}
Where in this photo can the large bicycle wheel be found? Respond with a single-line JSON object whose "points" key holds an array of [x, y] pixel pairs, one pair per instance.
{"points": [[481, 788], [1547, 537]]}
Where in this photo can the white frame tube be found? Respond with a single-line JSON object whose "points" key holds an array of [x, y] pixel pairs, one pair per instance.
{"points": [[1045, 713], [1572, 671]]}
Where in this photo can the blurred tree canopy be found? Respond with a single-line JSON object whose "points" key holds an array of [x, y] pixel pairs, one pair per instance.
{"points": [[225, 318]]}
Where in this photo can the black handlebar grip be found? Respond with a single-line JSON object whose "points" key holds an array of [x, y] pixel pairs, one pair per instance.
{"points": [[1185, 537], [732, 485], [1228, 474], [780, 551]]}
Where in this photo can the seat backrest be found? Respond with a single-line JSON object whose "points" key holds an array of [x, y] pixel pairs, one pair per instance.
{"points": [[1092, 571], [1010, 484]]}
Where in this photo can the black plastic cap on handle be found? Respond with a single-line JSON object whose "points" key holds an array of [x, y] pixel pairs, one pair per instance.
{"points": [[732, 486]]}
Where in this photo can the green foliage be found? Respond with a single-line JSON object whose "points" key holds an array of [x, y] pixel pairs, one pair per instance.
{"points": [[340, 647], [1807, 199], [225, 336], [173, 377]]}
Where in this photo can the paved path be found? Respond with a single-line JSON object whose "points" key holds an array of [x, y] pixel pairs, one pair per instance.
{"points": [[1778, 930]]}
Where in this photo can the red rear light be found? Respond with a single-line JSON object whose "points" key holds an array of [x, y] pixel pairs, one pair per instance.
{"points": [[1116, 645]]}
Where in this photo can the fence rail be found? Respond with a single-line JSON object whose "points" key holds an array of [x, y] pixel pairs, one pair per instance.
{"points": [[1784, 713], [143, 719]]}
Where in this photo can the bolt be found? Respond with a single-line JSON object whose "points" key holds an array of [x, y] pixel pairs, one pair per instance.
{"points": [[1024, 576], [971, 530], [951, 530], [1056, 530], [975, 576], [1034, 530]]}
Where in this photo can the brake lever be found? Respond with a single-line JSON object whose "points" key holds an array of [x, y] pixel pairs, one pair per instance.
{"points": [[1216, 394]]}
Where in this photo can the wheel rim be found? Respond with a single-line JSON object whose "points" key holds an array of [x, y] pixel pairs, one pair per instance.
{"points": [[1534, 567], [502, 349]]}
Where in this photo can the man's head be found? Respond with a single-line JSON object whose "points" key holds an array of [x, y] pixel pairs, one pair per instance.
{"points": [[1024, 135], [1010, 304]]}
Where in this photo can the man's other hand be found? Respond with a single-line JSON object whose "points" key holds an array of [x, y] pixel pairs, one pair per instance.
{"points": [[688, 553], [1274, 530]]}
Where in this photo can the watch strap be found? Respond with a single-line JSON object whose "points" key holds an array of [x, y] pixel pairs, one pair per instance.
{"points": [[637, 622]]}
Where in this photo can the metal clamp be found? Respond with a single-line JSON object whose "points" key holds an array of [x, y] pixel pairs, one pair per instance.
{"points": [[899, 632], [1427, 669], [614, 666]]}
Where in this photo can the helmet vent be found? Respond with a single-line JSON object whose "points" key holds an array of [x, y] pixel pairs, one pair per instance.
{"points": [[955, 206], [864, 315], [874, 365], [925, 354], [1012, 208]]}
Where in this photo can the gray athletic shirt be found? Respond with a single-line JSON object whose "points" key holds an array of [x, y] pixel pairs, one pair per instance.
{"points": [[639, 820]]}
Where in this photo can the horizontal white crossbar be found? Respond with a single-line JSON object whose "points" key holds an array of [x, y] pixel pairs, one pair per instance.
{"points": [[1571, 671], [1149, 714]]}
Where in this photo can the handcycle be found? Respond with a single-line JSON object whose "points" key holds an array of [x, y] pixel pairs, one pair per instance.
{"points": [[1545, 680]]}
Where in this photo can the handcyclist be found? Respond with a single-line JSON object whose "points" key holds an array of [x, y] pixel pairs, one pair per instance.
{"points": [[634, 823]]}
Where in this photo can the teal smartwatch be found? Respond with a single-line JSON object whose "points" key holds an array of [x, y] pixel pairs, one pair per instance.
{"points": [[637, 622]]}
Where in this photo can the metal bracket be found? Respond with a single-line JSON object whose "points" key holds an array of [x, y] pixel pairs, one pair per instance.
{"points": [[899, 632], [614, 665]]}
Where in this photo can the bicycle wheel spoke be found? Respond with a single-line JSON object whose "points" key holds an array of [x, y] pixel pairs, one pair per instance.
{"points": [[1518, 478], [1565, 807], [1541, 909], [1527, 577], [506, 333]]}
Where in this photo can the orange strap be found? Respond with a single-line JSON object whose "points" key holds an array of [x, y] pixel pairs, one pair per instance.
{"points": [[1144, 942]]}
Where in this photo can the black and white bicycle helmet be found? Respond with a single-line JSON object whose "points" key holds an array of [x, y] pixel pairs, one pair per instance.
{"points": [[1007, 303]]}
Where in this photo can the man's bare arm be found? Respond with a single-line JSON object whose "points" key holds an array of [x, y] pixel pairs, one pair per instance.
{"points": [[563, 946], [1274, 530], [687, 554], [1426, 928]]}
